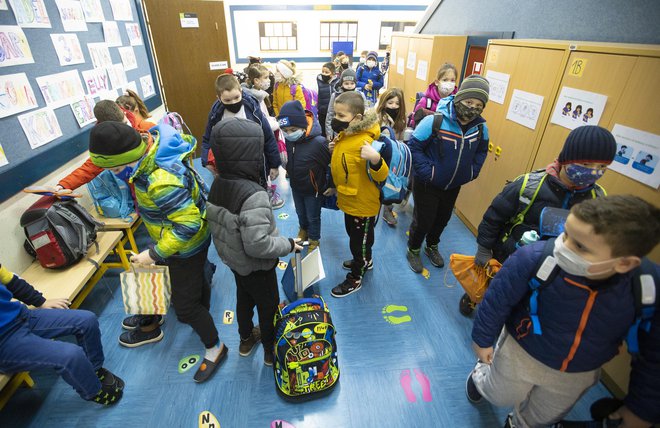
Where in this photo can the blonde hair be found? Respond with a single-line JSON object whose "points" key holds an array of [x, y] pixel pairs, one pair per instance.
{"points": [[131, 101], [446, 67]]}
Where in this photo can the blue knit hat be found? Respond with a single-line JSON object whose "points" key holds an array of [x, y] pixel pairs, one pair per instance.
{"points": [[292, 113], [588, 144]]}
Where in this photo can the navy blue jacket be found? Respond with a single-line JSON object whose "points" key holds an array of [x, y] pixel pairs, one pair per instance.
{"points": [[19, 289], [308, 160], [592, 317], [325, 91], [449, 158], [253, 113]]}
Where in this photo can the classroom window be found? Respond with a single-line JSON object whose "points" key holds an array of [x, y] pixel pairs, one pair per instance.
{"points": [[387, 28], [338, 31], [278, 36]]}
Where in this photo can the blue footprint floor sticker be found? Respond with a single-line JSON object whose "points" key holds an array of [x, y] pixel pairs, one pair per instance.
{"points": [[396, 319]]}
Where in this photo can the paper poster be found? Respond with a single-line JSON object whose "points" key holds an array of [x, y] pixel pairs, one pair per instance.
{"points": [[412, 59], [134, 34], [121, 10], [111, 95], [132, 86], [61, 89], [128, 57], [83, 110], [3, 157], [14, 46], [16, 95], [3, 6], [525, 108], [73, 18], [385, 35], [100, 55], [399, 65], [499, 82], [312, 267], [576, 108], [40, 127], [637, 154], [96, 81], [218, 65], [147, 85], [30, 13], [117, 76], [111, 34], [68, 49], [92, 10], [189, 20], [422, 69]]}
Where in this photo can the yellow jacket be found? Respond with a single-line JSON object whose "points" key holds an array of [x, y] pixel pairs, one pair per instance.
{"points": [[282, 94], [356, 194]]}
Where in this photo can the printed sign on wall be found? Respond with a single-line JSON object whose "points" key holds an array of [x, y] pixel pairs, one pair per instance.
{"points": [[576, 107], [637, 155]]}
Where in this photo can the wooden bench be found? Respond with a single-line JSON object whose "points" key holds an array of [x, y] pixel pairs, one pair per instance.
{"points": [[128, 227], [73, 283]]}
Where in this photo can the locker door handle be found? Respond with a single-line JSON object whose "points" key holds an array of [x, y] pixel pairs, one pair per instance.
{"points": [[412, 99], [498, 151], [490, 147]]}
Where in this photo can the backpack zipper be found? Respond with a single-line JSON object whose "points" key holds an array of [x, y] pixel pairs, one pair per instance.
{"points": [[458, 162]]}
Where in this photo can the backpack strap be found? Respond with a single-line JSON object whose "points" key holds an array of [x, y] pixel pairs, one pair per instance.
{"points": [[645, 284], [292, 90], [531, 185], [545, 272], [435, 131], [429, 103]]}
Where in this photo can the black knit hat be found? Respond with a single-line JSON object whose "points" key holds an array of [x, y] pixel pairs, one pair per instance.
{"points": [[588, 144], [292, 113], [473, 86], [113, 144]]}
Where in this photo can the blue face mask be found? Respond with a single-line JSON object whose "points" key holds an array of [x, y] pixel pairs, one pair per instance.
{"points": [[294, 136], [125, 173], [582, 176]]}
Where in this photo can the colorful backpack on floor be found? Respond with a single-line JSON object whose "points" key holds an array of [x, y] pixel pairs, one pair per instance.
{"points": [[111, 195], [399, 160], [305, 364]]}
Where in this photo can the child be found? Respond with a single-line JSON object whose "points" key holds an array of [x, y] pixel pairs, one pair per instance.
{"points": [[444, 160], [585, 312], [309, 157], [363, 60], [244, 230], [171, 198], [345, 84], [343, 62], [325, 83], [443, 86], [385, 65], [357, 196], [25, 340], [285, 78], [132, 104], [370, 79], [391, 112]]}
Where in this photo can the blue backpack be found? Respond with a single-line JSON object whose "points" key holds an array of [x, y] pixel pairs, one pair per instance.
{"points": [[111, 196], [399, 160]]}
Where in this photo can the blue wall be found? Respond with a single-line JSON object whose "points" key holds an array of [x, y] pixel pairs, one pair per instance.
{"points": [[632, 21]]}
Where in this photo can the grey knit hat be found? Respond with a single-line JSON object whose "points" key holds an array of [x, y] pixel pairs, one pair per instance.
{"points": [[348, 75], [473, 86]]}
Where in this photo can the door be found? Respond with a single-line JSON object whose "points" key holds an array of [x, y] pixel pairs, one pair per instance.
{"points": [[475, 61], [183, 56]]}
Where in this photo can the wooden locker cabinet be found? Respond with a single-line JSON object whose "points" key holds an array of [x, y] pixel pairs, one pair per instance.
{"points": [[395, 76]]}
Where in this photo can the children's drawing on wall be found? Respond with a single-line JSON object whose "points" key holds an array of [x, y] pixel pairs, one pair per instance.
{"points": [[121, 10], [134, 34], [147, 86], [644, 150], [128, 59], [576, 107], [83, 111], [3, 6], [14, 46], [61, 89], [40, 127], [68, 49], [30, 13], [92, 10], [96, 81], [16, 94], [3, 157], [100, 55], [71, 13], [111, 34]]}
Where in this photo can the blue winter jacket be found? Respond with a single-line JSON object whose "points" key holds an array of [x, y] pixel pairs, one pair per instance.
{"points": [[363, 75], [583, 324], [449, 158], [253, 113]]}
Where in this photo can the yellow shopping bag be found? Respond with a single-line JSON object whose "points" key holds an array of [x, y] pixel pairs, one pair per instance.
{"points": [[146, 289], [474, 279]]}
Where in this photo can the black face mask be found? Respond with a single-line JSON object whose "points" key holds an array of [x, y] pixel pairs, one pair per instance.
{"points": [[344, 65], [392, 112], [235, 107], [338, 125], [465, 113], [325, 77]]}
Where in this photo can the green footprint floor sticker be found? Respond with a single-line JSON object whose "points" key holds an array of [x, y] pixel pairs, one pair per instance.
{"points": [[396, 319]]}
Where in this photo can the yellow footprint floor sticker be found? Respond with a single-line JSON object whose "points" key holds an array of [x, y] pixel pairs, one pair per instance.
{"points": [[393, 318], [425, 273]]}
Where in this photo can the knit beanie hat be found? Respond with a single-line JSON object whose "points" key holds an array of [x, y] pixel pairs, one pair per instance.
{"points": [[286, 68], [113, 144], [473, 86], [588, 144], [347, 75], [373, 55], [292, 113]]}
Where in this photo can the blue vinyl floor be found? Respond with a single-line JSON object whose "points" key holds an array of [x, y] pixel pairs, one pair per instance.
{"points": [[428, 350]]}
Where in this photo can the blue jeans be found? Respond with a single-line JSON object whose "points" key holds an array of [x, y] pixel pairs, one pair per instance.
{"points": [[308, 209], [25, 345]]}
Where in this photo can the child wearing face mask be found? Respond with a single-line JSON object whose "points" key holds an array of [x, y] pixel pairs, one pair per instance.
{"points": [[363, 60], [307, 166], [443, 160], [285, 78], [540, 362], [325, 83], [370, 79], [443, 86], [346, 83]]}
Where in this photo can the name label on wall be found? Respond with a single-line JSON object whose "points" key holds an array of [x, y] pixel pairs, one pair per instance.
{"points": [[189, 20], [218, 65]]}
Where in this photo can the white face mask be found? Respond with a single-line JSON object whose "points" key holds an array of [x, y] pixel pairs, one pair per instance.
{"points": [[574, 264], [264, 84], [446, 88], [371, 63], [362, 60]]}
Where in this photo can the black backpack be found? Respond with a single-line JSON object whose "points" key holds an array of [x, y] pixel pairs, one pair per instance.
{"points": [[59, 232]]}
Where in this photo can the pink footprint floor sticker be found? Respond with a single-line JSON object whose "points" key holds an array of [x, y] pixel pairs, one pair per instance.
{"points": [[406, 385], [425, 383]]}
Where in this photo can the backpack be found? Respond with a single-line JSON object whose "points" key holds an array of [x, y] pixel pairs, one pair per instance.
{"points": [[399, 160], [305, 363], [645, 289], [59, 232], [414, 119], [311, 98], [175, 120], [111, 196]]}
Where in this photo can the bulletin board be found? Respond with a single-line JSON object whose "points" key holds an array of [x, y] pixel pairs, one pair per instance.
{"points": [[50, 78]]}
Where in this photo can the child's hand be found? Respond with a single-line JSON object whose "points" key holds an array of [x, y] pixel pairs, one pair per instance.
{"points": [[213, 170], [369, 153], [56, 304], [368, 86], [629, 419], [274, 173], [331, 145], [331, 191], [296, 245], [143, 258], [484, 354]]}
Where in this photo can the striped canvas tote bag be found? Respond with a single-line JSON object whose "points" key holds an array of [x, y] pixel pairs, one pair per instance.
{"points": [[146, 290]]}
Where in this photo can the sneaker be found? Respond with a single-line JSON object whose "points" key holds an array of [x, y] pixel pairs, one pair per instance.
{"points": [[471, 391], [137, 337], [132, 322], [347, 264], [414, 260], [349, 286], [268, 358], [207, 368], [313, 244], [247, 345], [276, 202], [108, 378], [434, 256], [388, 215], [466, 305], [302, 234], [108, 395]]}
